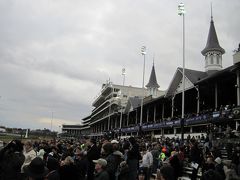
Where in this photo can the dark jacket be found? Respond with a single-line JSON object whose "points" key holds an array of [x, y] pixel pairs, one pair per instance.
{"points": [[195, 155], [10, 165], [82, 166], [103, 175], [111, 166], [68, 172], [92, 154], [53, 175]]}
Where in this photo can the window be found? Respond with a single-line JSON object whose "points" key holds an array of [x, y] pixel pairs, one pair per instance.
{"points": [[218, 59], [211, 59]]}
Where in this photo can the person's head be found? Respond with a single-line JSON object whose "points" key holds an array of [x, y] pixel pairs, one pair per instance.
{"points": [[78, 153], [209, 160], [90, 142], [28, 145], [68, 161], [100, 164], [15, 146], [132, 140], [54, 149], [166, 172], [118, 154], [115, 144], [36, 170], [107, 149]]}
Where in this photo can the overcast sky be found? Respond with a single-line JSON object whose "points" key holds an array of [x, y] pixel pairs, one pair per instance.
{"points": [[55, 54]]}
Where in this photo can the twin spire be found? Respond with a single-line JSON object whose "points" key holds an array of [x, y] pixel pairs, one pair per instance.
{"points": [[212, 41], [153, 79], [213, 51]]}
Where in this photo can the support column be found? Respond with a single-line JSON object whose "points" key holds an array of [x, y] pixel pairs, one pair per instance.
{"points": [[154, 114], [198, 101], [172, 106], [136, 117], [216, 96], [115, 126], [238, 89], [174, 131], [191, 129], [147, 114], [163, 111]]}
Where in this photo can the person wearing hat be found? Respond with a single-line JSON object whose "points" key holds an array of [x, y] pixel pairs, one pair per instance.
{"points": [[100, 168], [92, 153], [36, 170], [115, 145], [219, 167]]}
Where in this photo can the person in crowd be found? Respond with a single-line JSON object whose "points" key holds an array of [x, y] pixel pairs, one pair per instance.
{"points": [[195, 158], [81, 163], [155, 153], [166, 172], [107, 153], [208, 164], [211, 175], [175, 163], [29, 153], [36, 170], [147, 162], [219, 167], [53, 167], [54, 152], [115, 145], [11, 161], [41, 153], [133, 157], [100, 167], [141, 174], [68, 170], [236, 159], [123, 171], [93, 153]]}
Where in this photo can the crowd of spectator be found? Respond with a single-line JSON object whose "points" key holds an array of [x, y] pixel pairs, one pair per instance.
{"points": [[115, 159]]}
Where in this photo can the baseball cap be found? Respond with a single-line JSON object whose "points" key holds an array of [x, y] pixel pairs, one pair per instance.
{"points": [[101, 161], [118, 153], [114, 141]]}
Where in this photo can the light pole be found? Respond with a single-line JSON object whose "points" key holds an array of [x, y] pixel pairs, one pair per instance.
{"points": [[143, 52], [181, 12], [123, 74]]}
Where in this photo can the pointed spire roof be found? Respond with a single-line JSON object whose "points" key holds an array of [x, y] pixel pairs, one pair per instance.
{"points": [[212, 42], [153, 80]]}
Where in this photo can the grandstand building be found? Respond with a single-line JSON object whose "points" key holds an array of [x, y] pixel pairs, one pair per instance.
{"points": [[212, 99]]}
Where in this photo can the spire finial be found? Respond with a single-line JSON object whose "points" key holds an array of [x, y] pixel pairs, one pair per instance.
{"points": [[153, 58], [211, 13]]}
